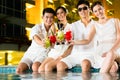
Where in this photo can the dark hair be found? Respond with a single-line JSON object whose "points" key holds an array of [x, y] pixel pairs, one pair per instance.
{"points": [[60, 7], [83, 2], [96, 3], [48, 10]]}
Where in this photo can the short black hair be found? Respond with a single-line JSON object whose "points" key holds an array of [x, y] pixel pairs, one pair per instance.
{"points": [[96, 3], [60, 7], [83, 2], [49, 10]]}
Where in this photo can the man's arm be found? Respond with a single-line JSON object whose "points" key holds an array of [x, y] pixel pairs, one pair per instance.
{"points": [[38, 40], [87, 40]]}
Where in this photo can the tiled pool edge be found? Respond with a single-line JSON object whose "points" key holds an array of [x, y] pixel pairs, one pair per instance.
{"points": [[12, 69], [8, 69]]}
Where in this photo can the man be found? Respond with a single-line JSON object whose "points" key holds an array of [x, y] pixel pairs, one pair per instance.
{"points": [[81, 54], [37, 51]]}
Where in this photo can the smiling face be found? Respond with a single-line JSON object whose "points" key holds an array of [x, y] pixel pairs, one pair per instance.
{"points": [[48, 19], [61, 14], [98, 11], [83, 11]]}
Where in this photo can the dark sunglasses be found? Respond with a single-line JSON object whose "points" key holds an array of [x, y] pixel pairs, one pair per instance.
{"points": [[83, 8]]}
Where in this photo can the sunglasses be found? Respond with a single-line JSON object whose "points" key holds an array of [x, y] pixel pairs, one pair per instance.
{"points": [[83, 8]]}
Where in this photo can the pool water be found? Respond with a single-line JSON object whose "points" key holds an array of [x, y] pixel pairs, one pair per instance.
{"points": [[9, 73], [60, 76]]}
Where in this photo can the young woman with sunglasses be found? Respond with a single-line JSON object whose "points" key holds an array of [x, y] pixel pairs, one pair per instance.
{"points": [[81, 54]]}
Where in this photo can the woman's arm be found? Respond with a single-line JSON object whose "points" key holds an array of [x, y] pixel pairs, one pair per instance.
{"points": [[67, 52], [117, 42]]}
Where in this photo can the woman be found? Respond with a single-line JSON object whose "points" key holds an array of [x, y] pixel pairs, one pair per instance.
{"points": [[61, 50], [108, 38]]}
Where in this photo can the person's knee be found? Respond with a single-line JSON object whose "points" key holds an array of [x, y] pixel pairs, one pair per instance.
{"points": [[114, 67], [21, 68], [86, 65], [41, 69], [48, 67], [35, 66], [61, 66], [111, 55]]}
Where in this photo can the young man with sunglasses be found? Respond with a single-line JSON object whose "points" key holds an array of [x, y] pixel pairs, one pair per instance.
{"points": [[80, 54]]}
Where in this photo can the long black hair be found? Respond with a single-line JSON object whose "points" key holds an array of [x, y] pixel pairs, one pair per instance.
{"points": [[96, 3], [60, 7]]}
